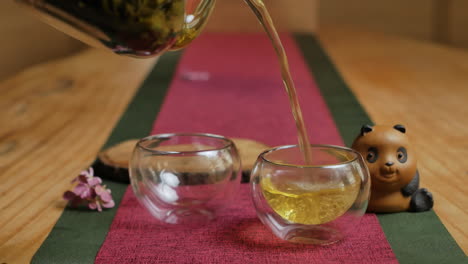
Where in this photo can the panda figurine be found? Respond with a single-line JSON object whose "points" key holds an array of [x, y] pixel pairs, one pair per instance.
{"points": [[392, 165]]}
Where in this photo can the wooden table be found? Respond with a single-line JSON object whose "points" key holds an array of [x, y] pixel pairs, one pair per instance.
{"points": [[56, 116]]}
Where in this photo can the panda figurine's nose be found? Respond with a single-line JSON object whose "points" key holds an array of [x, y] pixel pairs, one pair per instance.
{"points": [[389, 163]]}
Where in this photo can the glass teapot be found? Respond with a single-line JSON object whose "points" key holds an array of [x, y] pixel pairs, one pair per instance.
{"points": [[139, 28]]}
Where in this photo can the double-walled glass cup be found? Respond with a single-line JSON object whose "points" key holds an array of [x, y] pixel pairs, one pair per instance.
{"points": [[318, 202], [185, 178]]}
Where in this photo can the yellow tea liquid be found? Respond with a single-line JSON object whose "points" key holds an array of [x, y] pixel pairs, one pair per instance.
{"points": [[310, 205]]}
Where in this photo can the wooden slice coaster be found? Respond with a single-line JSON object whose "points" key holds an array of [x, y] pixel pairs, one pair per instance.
{"points": [[112, 163], [248, 151]]}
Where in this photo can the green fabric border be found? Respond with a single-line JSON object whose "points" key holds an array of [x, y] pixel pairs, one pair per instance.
{"points": [[414, 237], [79, 233]]}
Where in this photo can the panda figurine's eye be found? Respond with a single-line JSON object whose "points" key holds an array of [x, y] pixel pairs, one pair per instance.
{"points": [[402, 156], [372, 155]]}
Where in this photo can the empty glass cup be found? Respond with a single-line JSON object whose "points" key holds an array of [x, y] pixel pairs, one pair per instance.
{"points": [[185, 178], [317, 203]]}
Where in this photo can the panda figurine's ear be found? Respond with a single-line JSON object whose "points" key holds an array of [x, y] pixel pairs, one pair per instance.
{"points": [[400, 128], [365, 129]]}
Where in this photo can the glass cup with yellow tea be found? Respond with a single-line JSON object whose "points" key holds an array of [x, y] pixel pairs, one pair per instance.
{"points": [[318, 202]]}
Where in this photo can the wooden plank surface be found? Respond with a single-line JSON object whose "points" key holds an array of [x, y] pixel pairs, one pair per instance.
{"points": [[56, 116], [425, 87], [28, 41], [412, 19], [458, 23], [291, 15]]}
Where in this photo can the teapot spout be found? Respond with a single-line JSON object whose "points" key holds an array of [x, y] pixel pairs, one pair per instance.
{"points": [[195, 21]]}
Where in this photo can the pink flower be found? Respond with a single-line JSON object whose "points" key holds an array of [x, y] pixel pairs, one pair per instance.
{"points": [[89, 191], [82, 190], [74, 199], [88, 177], [103, 199]]}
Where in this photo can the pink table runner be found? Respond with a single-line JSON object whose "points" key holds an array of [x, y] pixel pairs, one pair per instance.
{"points": [[243, 97]]}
